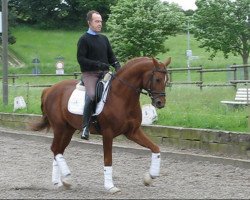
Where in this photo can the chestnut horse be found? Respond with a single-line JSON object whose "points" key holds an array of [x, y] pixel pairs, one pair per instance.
{"points": [[121, 115]]}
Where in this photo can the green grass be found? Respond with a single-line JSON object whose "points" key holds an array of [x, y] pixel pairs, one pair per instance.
{"points": [[47, 45], [177, 50], [190, 107], [187, 106]]}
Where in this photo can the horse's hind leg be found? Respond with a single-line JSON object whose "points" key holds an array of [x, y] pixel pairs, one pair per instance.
{"points": [[61, 174], [140, 138], [56, 175]]}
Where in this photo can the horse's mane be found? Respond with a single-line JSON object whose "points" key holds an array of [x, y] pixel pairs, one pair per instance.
{"points": [[134, 60]]}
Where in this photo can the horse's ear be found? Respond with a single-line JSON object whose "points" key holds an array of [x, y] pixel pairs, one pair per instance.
{"points": [[167, 62], [155, 62]]}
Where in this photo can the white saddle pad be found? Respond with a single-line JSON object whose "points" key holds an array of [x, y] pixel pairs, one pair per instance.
{"points": [[77, 100]]}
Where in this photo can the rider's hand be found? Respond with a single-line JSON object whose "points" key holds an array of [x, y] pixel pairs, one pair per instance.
{"points": [[116, 65], [103, 66]]}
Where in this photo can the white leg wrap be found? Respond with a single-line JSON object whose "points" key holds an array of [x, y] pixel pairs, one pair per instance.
{"points": [[56, 175], [108, 180], [62, 165], [155, 165]]}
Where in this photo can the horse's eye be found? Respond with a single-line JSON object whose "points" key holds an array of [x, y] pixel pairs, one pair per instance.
{"points": [[157, 80]]}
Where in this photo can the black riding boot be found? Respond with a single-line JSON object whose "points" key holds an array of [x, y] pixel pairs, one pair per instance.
{"points": [[88, 109]]}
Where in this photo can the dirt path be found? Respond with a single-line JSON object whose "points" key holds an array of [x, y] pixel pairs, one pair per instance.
{"points": [[26, 164]]}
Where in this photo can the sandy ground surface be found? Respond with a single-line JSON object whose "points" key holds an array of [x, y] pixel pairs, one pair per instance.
{"points": [[26, 164]]}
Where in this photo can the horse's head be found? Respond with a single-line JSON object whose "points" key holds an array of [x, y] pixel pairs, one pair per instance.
{"points": [[155, 82]]}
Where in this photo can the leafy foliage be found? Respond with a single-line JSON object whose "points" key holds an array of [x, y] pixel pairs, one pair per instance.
{"points": [[42, 12], [57, 13], [223, 26], [11, 38], [139, 28]]}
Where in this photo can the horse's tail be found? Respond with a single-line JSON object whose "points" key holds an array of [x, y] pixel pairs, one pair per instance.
{"points": [[43, 122]]}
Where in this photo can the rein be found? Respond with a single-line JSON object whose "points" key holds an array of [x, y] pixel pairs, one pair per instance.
{"points": [[149, 90], [138, 90]]}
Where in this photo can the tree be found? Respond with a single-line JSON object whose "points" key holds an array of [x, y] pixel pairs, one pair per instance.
{"points": [[139, 28], [57, 13], [42, 12], [223, 26], [102, 6]]}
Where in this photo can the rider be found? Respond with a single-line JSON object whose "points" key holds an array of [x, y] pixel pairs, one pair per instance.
{"points": [[94, 55]]}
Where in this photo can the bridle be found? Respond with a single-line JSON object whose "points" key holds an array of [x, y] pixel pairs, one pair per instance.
{"points": [[149, 90]]}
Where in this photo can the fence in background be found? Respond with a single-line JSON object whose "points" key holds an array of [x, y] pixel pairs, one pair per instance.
{"points": [[235, 71], [14, 77], [24, 89]]}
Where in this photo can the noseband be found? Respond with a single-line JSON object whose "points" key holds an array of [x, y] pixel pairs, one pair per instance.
{"points": [[149, 90]]}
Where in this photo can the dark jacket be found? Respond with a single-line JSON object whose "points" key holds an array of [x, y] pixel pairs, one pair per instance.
{"points": [[94, 52]]}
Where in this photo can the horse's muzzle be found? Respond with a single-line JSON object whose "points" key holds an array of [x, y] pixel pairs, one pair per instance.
{"points": [[158, 103]]}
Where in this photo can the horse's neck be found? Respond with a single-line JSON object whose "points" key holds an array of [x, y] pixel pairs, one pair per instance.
{"points": [[134, 74], [127, 85]]}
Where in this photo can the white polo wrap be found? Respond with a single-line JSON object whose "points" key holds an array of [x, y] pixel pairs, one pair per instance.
{"points": [[108, 180], [62, 165], [56, 174], [155, 165]]}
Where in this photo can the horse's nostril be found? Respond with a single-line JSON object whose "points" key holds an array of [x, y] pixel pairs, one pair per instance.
{"points": [[159, 104]]}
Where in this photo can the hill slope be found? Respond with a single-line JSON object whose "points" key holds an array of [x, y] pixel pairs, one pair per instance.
{"points": [[12, 59]]}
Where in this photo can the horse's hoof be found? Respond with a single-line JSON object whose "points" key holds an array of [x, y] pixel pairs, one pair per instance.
{"points": [[147, 179], [66, 181], [58, 185], [114, 190]]}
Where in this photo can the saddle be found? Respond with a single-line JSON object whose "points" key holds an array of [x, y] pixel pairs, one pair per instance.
{"points": [[76, 100]]}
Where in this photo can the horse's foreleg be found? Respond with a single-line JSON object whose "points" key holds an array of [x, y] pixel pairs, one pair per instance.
{"points": [[154, 170], [140, 138], [108, 170]]}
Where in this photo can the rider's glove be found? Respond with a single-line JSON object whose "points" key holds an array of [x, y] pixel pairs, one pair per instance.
{"points": [[103, 66], [116, 65]]}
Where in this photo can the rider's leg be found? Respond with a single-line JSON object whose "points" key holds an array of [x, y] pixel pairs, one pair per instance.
{"points": [[88, 110], [90, 79]]}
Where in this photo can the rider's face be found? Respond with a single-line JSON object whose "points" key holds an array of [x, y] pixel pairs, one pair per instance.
{"points": [[95, 23]]}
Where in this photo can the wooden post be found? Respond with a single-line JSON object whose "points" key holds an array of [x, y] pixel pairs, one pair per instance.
{"points": [[235, 70], [170, 77], [201, 77], [247, 94], [75, 75], [235, 75], [245, 68], [248, 107], [5, 50], [248, 116]]}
